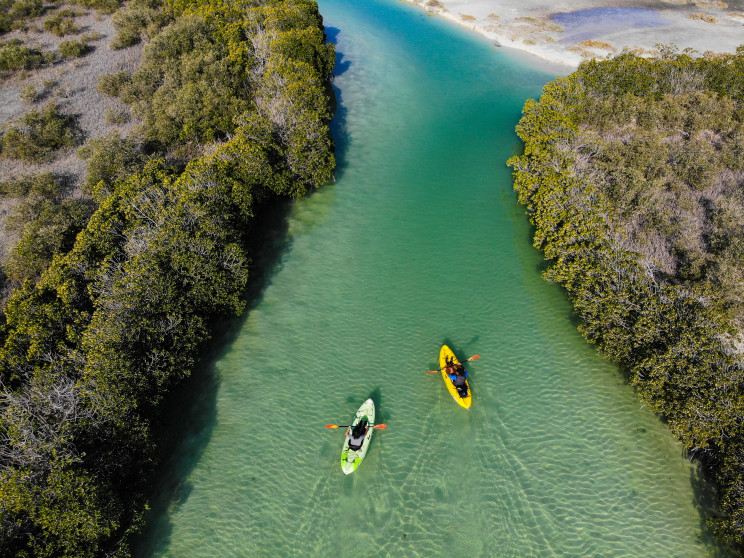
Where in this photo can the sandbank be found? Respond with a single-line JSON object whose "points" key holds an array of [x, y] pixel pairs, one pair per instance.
{"points": [[567, 33]]}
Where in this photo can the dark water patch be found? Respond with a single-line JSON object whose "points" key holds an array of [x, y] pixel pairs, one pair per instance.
{"points": [[339, 129]]}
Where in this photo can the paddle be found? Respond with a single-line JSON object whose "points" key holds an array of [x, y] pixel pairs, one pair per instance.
{"points": [[377, 426], [443, 367]]}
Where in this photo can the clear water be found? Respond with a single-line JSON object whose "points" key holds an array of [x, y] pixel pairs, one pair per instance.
{"points": [[419, 242]]}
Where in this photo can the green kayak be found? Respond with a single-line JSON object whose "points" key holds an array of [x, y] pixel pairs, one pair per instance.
{"points": [[350, 458]]}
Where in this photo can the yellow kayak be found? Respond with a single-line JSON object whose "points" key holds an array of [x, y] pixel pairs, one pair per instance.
{"points": [[446, 353]]}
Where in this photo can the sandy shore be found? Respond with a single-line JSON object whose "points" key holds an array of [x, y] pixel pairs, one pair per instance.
{"points": [[566, 32]]}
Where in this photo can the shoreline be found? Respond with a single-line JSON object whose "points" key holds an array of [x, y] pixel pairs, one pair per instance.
{"points": [[567, 34]]}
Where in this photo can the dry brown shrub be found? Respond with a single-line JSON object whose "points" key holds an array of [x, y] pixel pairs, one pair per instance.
{"points": [[29, 94], [593, 43], [711, 4], [493, 17], [114, 116], [640, 51], [539, 24], [703, 17], [467, 17], [91, 36], [585, 53], [435, 4]]}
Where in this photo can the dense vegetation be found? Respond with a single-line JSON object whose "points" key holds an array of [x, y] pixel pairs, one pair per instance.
{"points": [[235, 100], [46, 223], [633, 177]]}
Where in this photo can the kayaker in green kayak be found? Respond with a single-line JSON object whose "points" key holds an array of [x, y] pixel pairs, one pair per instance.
{"points": [[356, 434]]}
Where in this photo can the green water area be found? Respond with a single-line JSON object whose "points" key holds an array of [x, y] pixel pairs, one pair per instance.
{"points": [[419, 242]]}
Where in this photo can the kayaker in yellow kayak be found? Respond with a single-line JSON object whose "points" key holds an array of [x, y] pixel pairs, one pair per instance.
{"points": [[458, 374]]}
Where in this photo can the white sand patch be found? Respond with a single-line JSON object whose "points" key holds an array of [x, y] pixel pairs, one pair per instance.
{"points": [[639, 27]]}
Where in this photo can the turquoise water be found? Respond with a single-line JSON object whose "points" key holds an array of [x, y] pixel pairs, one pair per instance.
{"points": [[419, 242]]}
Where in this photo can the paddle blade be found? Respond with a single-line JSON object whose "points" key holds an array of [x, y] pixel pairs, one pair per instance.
{"points": [[474, 357], [432, 371], [380, 426], [332, 426]]}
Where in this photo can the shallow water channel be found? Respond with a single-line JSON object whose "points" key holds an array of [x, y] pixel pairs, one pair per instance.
{"points": [[419, 242]]}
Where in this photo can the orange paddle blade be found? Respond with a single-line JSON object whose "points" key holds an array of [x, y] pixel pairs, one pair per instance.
{"points": [[332, 426], [380, 426]]}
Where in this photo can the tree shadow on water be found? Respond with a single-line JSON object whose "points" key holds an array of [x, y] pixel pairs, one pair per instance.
{"points": [[189, 413], [185, 429], [706, 504], [339, 129]]}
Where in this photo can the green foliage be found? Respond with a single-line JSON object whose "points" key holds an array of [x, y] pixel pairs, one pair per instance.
{"points": [[26, 9], [110, 158], [113, 116], [73, 49], [48, 229], [29, 94], [112, 84], [91, 36], [39, 186], [65, 503], [15, 56], [140, 18], [188, 88], [631, 176], [101, 6], [61, 24], [109, 319], [5, 20], [39, 134]]}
